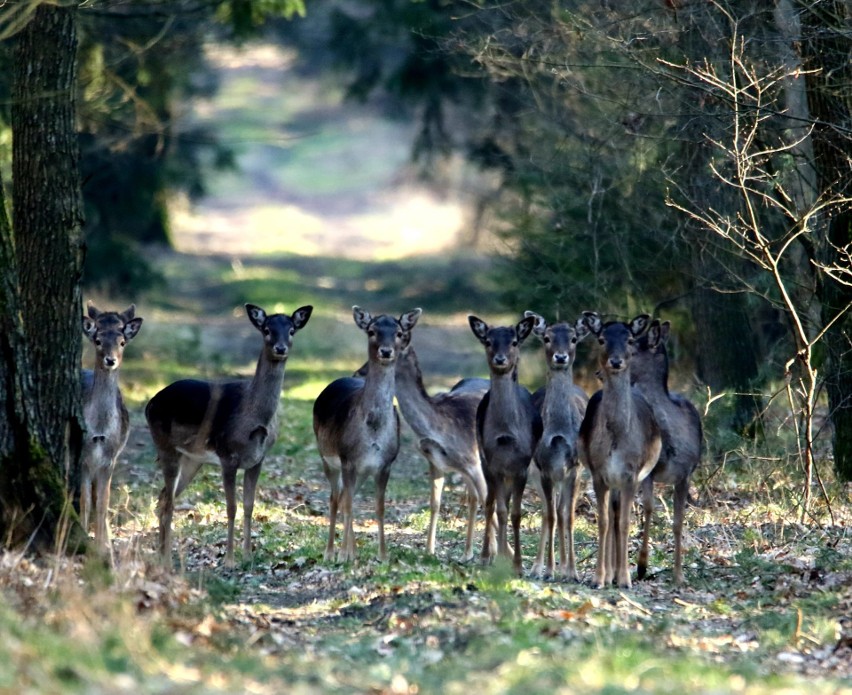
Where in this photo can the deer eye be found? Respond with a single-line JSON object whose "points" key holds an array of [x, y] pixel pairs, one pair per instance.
{"points": [[266, 331], [630, 341], [514, 343], [488, 343], [98, 342], [123, 343], [371, 333], [601, 341], [399, 335], [573, 341], [292, 332], [547, 340]]}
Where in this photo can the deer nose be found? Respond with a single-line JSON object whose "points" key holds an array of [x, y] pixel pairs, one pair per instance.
{"points": [[560, 358], [280, 350], [616, 362], [500, 360], [385, 353], [110, 361]]}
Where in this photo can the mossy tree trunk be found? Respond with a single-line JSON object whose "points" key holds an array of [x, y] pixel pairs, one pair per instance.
{"points": [[41, 253]]}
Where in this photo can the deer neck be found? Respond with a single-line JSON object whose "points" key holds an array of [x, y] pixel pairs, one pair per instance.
{"points": [[378, 387], [558, 408], [504, 398], [617, 403], [264, 390], [100, 408], [414, 402]]}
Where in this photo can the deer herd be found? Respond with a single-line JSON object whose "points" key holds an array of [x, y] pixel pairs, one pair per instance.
{"points": [[493, 432]]}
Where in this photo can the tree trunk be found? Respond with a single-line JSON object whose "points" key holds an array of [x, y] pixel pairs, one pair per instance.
{"points": [[826, 49], [727, 350], [42, 257]]}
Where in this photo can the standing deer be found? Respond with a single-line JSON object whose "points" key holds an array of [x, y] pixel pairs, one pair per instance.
{"points": [[619, 442], [193, 422], [508, 428], [680, 426], [106, 417], [445, 425], [555, 474], [357, 427]]}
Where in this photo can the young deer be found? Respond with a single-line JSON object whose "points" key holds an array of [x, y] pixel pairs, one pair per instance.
{"points": [[680, 426], [357, 427], [508, 428], [555, 474], [619, 442], [445, 425], [107, 420], [193, 422]]}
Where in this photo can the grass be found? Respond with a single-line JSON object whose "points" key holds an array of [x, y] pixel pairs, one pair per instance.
{"points": [[760, 613]]}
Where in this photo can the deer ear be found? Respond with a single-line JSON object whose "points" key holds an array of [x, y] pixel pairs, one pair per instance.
{"points": [[592, 321], [89, 328], [129, 313], [92, 310], [540, 325], [362, 317], [665, 329], [581, 329], [654, 334], [301, 315], [409, 319], [525, 327], [131, 328], [256, 315], [479, 327], [639, 325]]}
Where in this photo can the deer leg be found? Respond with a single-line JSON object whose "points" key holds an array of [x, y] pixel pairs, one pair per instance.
{"points": [[85, 498], [250, 478], [347, 544], [333, 503], [166, 507], [229, 481], [437, 478], [472, 505], [602, 495], [103, 480], [537, 478], [480, 487], [647, 492], [381, 486], [518, 485], [681, 491], [502, 516], [189, 467], [625, 502], [568, 506], [489, 545]]}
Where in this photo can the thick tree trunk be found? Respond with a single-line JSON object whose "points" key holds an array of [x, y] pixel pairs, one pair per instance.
{"points": [[42, 259], [826, 49]]}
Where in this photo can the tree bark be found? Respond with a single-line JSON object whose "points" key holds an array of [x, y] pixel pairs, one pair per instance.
{"points": [[826, 48], [42, 254]]}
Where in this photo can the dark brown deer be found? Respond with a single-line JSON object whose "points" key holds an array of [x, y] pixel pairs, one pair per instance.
{"points": [[555, 475], [106, 417], [508, 428], [357, 427], [620, 443], [233, 422], [680, 426], [445, 425]]}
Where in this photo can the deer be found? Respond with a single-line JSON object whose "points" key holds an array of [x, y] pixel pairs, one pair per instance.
{"points": [[104, 413], [555, 475], [357, 428], [682, 435], [620, 443], [445, 425], [508, 428], [234, 423]]}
